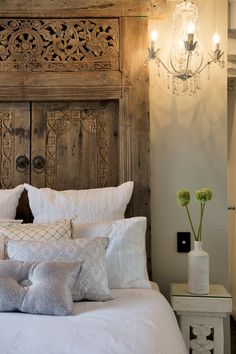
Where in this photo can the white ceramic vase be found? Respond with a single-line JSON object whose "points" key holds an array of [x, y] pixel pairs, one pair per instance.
{"points": [[198, 270]]}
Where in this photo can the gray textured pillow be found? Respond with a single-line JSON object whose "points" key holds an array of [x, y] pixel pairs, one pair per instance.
{"points": [[93, 283], [49, 292]]}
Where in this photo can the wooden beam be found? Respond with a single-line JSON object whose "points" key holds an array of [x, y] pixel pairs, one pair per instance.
{"points": [[137, 125], [88, 8]]}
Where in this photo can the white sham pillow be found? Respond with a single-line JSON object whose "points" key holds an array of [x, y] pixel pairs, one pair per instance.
{"points": [[59, 230], [9, 199], [126, 252], [88, 205]]}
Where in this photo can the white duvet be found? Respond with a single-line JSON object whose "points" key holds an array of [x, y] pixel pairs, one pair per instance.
{"points": [[136, 321]]}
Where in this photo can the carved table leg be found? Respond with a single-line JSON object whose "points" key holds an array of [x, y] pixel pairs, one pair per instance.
{"points": [[202, 332]]}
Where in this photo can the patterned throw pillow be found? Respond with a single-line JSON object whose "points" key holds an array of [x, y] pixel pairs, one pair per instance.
{"points": [[49, 289], [60, 230], [93, 283]]}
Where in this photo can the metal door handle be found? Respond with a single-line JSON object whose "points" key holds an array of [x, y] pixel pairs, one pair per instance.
{"points": [[39, 164], [22, 163]]}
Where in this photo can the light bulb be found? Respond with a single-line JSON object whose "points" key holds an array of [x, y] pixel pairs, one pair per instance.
{"points": [[154, 35], [216, 41], [190, 31], [216, 38], [190, 28]]}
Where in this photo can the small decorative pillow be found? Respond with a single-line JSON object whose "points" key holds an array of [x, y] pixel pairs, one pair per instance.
{"points": [[60, 230], [9, 199], [49, 292], [91, 205], [93, 284], [126, 253]]}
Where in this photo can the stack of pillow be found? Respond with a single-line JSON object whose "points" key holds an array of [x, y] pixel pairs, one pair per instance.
{"points": [[84, 234]]}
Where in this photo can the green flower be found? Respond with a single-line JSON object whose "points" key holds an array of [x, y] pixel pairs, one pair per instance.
{"points": [[183, 197], [203, 195]]}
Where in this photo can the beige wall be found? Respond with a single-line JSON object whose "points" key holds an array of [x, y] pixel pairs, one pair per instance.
{"points": [[189, 150]]}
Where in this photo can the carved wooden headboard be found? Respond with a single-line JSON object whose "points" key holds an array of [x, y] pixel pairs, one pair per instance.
{"points": [[74, 100]]}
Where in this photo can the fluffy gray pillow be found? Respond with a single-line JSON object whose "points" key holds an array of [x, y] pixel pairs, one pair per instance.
{"points": [[49, 292]]}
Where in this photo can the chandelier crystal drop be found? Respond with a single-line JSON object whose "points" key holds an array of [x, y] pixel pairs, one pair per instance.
{"points": [[185, 62]]}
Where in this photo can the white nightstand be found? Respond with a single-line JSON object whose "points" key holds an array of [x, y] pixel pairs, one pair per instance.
{"points": [[201, 317]]}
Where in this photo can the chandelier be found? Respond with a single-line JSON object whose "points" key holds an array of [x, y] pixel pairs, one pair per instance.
{"points": [[185, 62]]}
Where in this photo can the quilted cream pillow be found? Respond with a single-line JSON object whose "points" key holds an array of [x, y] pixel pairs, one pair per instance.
{"points": [[93, 283], [60, 230]]}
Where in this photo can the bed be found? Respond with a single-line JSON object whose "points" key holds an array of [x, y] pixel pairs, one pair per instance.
{"points": [[125, 314], [136, 321]]}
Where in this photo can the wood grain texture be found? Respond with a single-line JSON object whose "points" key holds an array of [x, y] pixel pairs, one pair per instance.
{"points": [[73, 8], [136, 106], [79, 141], [14, 141], [43, 86]]}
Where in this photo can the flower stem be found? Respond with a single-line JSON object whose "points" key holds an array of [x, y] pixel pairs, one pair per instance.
{"points": [[190, 220], [199, 234]]}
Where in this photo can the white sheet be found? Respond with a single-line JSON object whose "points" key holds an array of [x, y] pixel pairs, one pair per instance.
{"points": [[136, 321]]}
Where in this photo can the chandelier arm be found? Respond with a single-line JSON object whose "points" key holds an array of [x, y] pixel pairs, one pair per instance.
{"points": [[194, 73], [174, 72], [208, 63]]}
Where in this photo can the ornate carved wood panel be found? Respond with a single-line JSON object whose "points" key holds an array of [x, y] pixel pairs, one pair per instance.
{"points": [[79, 141], [14, 141], [59, 44]]}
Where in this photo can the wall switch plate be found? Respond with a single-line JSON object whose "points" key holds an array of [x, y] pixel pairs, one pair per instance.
{"points": [[183, 242]]}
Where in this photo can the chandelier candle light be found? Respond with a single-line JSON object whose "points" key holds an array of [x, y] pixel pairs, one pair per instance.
{"points": [[185, 62]]}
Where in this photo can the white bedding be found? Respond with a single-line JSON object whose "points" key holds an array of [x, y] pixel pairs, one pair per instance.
{"points": [[136, 321]]}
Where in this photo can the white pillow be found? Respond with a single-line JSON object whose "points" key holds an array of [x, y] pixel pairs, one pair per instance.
{"points": [[60, 230], [9, 199], [88, 205], [126, 252]]}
